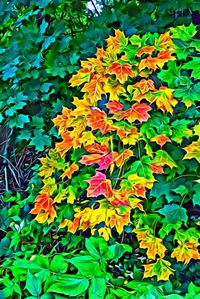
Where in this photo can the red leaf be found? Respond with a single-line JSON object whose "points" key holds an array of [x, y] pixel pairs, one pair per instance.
{"points": [[98, 154], [99, 185], [114, 107], [138, 112], [160, 139], [122, 71]]}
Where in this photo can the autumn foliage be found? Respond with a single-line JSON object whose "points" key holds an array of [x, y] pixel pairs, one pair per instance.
{"points": [[127, 163]]}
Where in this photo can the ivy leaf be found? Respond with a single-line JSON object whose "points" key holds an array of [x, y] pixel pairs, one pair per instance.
{"points": [[138, 112], [171, 75], [40, 141], [163, 158], [19, 121], [181, 189], [193, 65], [184, 33], [173, 213]]}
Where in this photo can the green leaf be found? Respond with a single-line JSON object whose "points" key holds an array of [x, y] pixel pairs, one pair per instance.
{"points": [[69, 285], [193, 65], [58, 264], [182, 190], [18, 121], [86, 265], [40, 141], [196, 196], [171, 75], [180, 130], [97, 288], [184, 33], [34, 284], [173, 213]]}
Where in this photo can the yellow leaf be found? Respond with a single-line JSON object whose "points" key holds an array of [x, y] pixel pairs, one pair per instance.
{"points": [[193, 151], [185, 252], [154, 246], [161, 268], [60, 196], [49, 186]]}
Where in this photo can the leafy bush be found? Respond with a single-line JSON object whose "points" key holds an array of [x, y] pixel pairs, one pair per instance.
{"points": [[119, 195], [122, 170]]}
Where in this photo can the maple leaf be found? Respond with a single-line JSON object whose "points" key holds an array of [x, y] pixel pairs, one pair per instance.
{"points": [[149, 63], [193, 151], [87, 138], [71, 225], [98, 120], [163, 158], [128, 136], [154, 247], [44, 209], [161, 268], [63, 121], [141, 88], [160, 139], [120, 220], [82, 76], [164, 41], [65, 145], [122, 71], [138, 112], [70, 171], [99, 184], [119, 158], [145, 50], [163, 98], [114, 107], [95, 87], [156, 168], [185, 252], [136, 203], [98, 154], [115, 42], [114, 88]]}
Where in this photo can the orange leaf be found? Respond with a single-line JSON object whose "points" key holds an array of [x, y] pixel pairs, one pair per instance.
{"points": [[185, 252], [145, 50], [69, 171], [160, 139], [99, 184], [114, 107], [98, 120], [138, 112], [116, 41], [119, 158], [122, 71], [65, 145], [156, 168], [44, 209], [95, 87]]}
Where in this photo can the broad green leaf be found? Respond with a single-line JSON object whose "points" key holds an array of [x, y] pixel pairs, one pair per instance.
{"points": [[40, 141], [58, 264], [86, 265], [97, 288], [34, 284], [69, 285]]}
